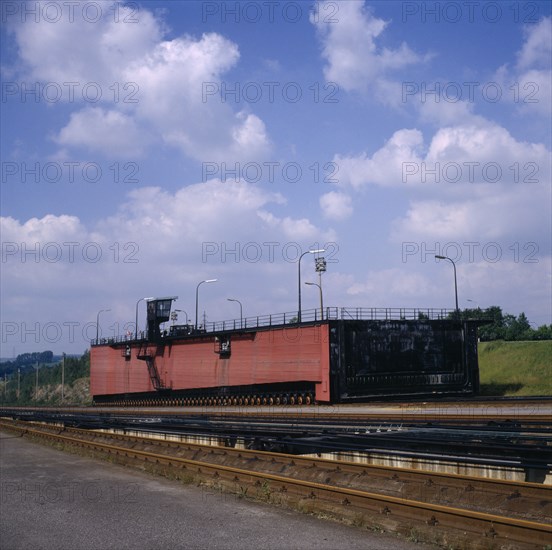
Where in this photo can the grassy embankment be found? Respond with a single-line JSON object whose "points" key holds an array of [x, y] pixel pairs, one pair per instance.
{"points": [[516, 368]]}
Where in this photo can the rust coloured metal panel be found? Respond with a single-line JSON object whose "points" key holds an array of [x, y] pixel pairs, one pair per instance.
{"points": [[110, 373], [287, 354]]}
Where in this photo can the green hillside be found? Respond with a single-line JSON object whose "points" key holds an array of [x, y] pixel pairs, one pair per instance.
{"points": [[516, 368]]}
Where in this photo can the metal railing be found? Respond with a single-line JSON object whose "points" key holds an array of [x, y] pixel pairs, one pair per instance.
{"points": [[329, 313], [290, 318]]}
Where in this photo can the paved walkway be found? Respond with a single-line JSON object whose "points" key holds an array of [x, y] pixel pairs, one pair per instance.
{"points": [[59, 501]]}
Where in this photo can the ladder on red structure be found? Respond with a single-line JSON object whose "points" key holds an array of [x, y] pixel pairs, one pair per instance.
{"points": [[147, 353]]}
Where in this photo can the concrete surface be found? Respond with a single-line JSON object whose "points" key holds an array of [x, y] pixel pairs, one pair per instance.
{"points": [[59, 501]]}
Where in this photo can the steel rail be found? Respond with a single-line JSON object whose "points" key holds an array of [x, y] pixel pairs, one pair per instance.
{"points": [[533, 418], [163, 437], [348, 440], [500, 528], [509, 488], [400, 443], [341, 423], [319, 412]]}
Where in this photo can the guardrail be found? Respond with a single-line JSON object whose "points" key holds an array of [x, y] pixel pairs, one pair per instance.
{"points": [[289, 318], [329, 313]]}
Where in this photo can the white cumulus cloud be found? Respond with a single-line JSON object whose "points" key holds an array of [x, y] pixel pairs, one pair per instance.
{"points": [[129, 83], [354, 59], [336, 205]]}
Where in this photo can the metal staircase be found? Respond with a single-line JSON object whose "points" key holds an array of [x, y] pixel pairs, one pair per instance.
{"points": [[148, 353]]}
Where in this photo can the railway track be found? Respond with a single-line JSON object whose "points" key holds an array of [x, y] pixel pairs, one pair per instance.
{"points": [[519, 445], [461, 412], [389, 498], [449, 414]]}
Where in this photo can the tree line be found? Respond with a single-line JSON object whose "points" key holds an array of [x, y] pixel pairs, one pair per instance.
{"points": [[26, 361], [20, 386], [504, 326]]}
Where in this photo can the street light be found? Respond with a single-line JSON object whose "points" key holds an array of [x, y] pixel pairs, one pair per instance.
{"points": [[62, 376], [299, 277], [98, 322], [136, 325], [321, 300], [174, 315], [197, 292], [455, 284], [241, 309]]}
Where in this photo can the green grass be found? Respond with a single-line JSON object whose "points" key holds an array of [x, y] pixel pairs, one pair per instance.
{"points": [[516, 368]]}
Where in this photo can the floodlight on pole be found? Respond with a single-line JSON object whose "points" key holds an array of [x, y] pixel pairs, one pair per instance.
{"points": [[320, 250]]}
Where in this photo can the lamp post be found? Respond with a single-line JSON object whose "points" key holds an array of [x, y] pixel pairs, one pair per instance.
{"points": [[62, 376], [299, 277], [241, 309], [321, 299], [175, 311], [98, 323], [197, 293], [136, 325], [455, 284]]}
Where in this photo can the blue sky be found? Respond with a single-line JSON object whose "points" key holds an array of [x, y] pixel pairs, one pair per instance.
{"points": [[147, 146]]}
